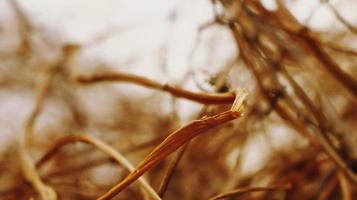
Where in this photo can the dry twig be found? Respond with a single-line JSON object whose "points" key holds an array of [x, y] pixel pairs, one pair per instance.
{"points": [[205, 98], [248, 190], [177, 139], [101, 146]]}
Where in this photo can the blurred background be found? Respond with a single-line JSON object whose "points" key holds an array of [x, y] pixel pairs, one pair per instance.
{"points": [[46, 44]]}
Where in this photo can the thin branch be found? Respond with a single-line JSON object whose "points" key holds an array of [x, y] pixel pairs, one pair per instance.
{"points": [[24, 26], [345, 186], [205, 98], [328, 188], [30, 173], [174, 162], [82, 167], [27, 163], [340, 18], [306, 39], [329, 64], [103, 147], [170, 170], [324, 125], [42, 89], [318, 114], [250, 57], [325, 60], [239, 191], [334, 47], [177, 139]]}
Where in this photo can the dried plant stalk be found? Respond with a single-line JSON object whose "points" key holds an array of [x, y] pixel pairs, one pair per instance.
{"points": [[27, 163], [177, 139], [113, 153], [345, 186], [244, 32], [248, 190], [205, 98], [274, 46], [170, 170], [339, 17], [31, 175]]}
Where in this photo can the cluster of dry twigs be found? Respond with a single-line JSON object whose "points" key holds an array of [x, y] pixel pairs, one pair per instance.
{"points": [[303, 82]]}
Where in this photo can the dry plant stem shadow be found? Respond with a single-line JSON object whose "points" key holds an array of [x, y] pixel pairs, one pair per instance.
{"points": [[205, 98], [240, 191], [177, 139], [113, 153], [27, 163]]}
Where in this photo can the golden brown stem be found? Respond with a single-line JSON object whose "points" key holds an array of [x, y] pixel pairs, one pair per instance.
{"points": [[103, 147], [204, 98], [247, 190], [176, 140]]}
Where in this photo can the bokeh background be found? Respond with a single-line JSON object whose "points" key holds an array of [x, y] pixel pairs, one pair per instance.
{"points": [[170, 41]]}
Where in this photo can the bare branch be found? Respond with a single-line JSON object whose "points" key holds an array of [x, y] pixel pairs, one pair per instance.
{"points": [[205, 98]]}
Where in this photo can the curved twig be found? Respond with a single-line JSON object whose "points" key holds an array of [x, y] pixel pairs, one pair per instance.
{"points": [[345, 186], [337, 48], [27, 163], [341, 19], [205, 98], [103, 147]]}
